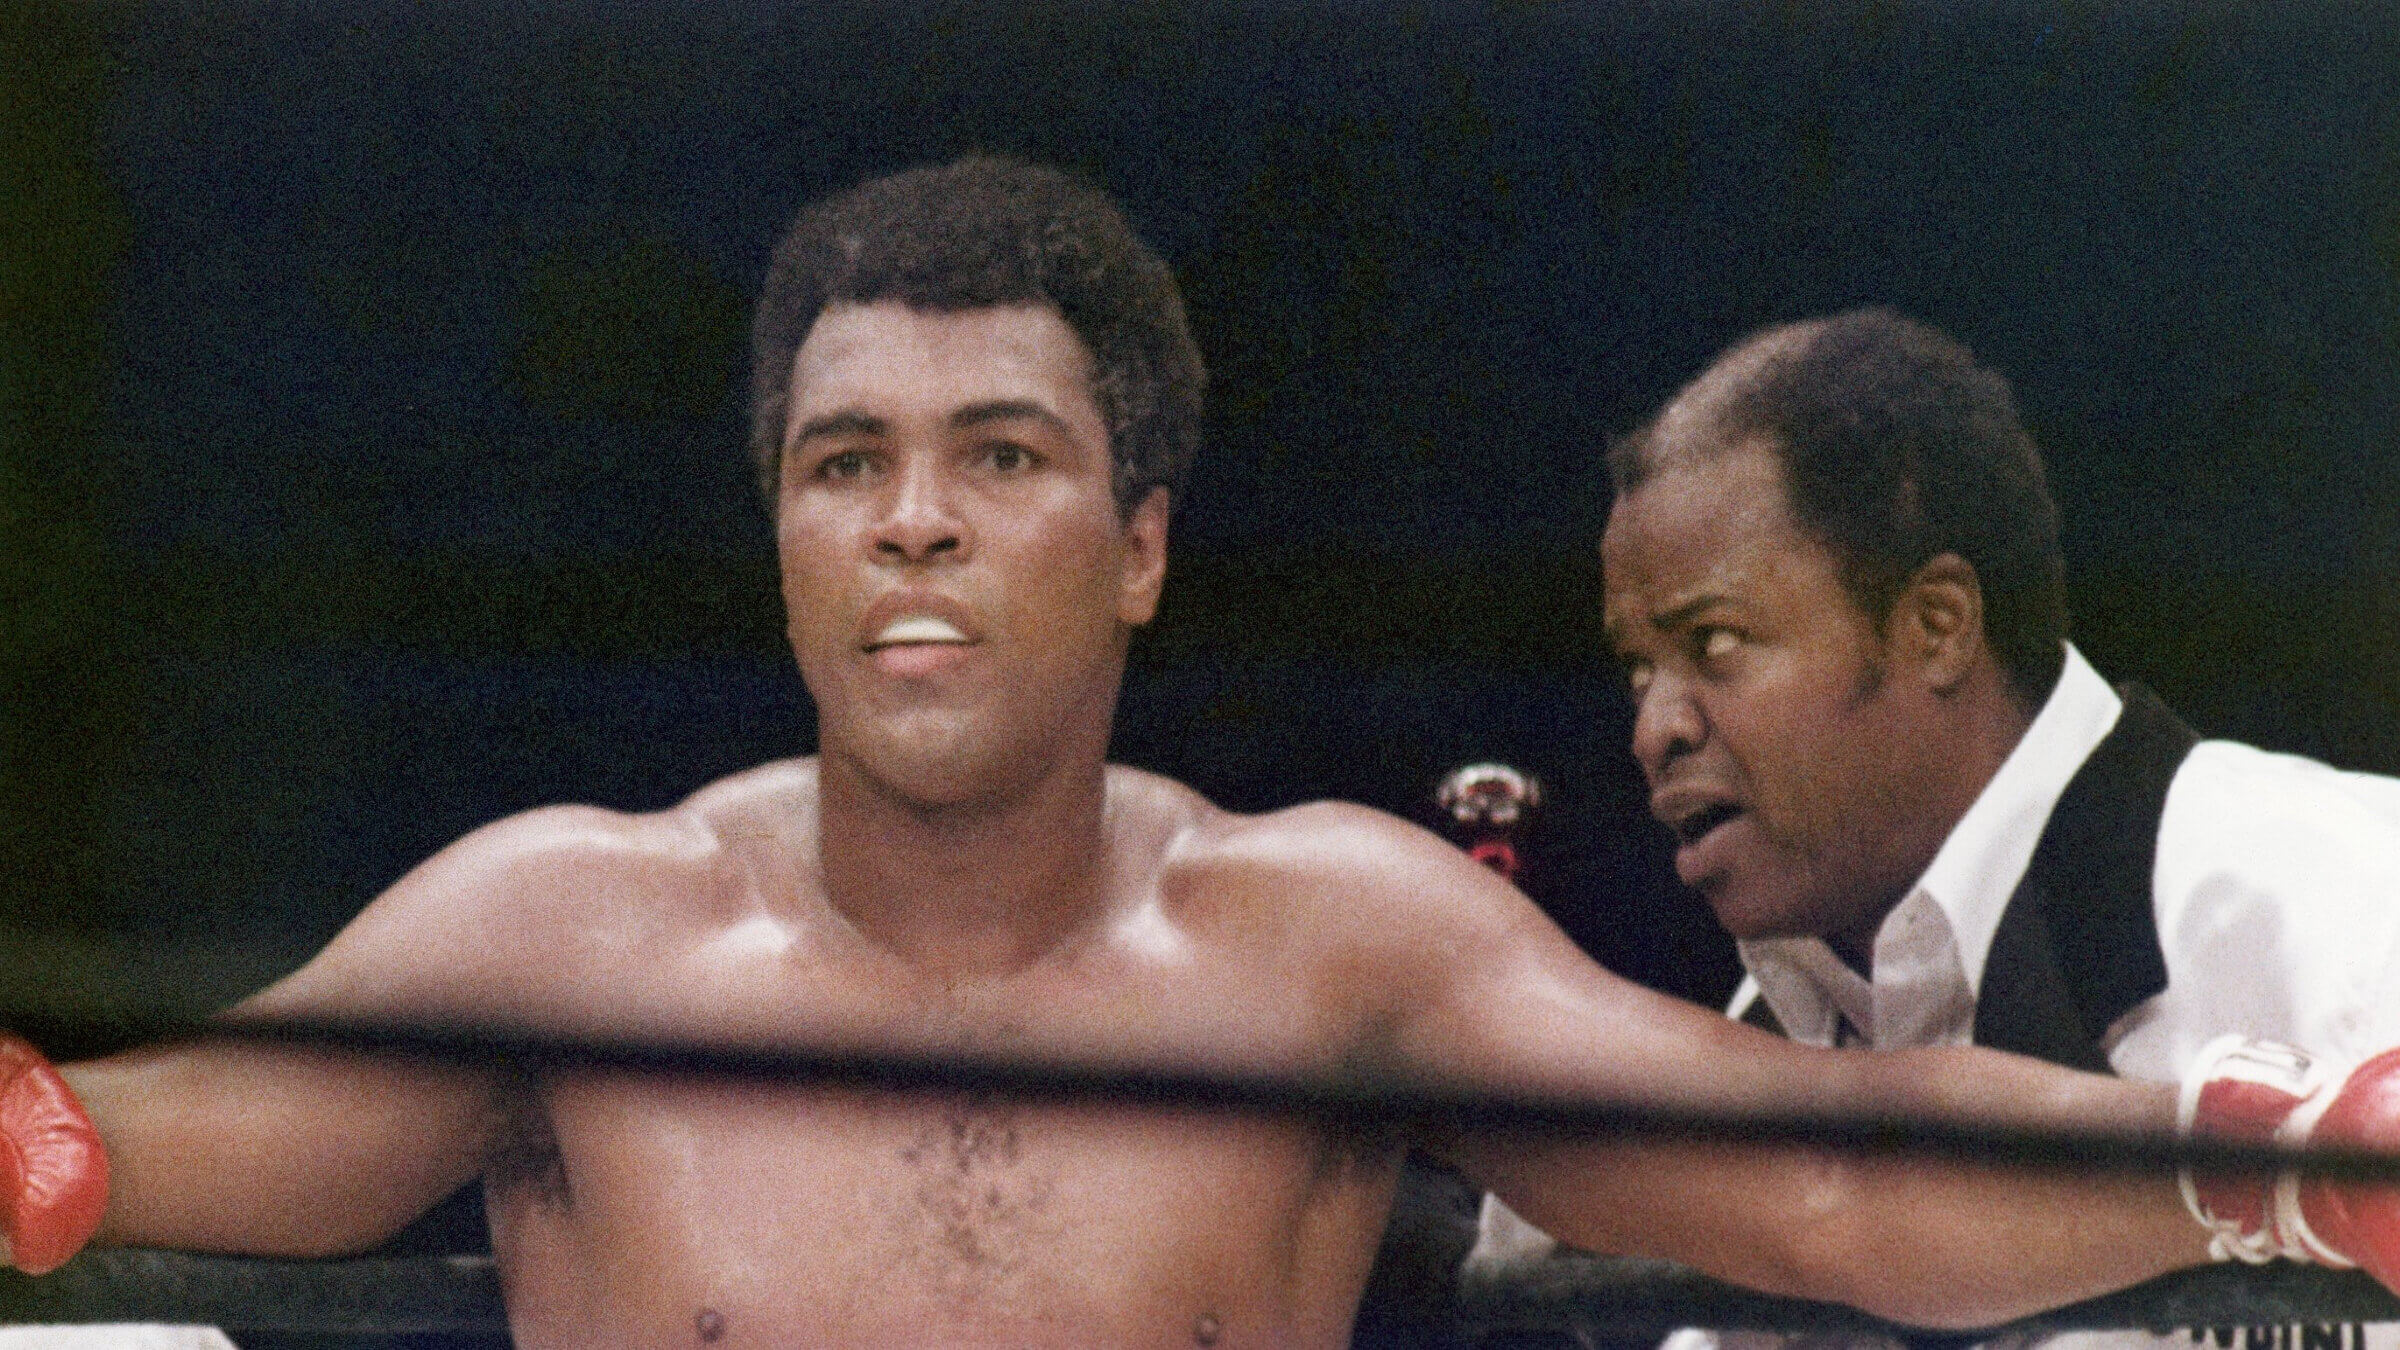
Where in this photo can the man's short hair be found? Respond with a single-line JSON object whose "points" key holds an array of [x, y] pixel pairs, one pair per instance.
{"points": [[986, 231], [1897, 448]]}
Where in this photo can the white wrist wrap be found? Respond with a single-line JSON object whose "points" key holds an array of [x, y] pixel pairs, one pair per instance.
{"points": [[2286, 1072]]}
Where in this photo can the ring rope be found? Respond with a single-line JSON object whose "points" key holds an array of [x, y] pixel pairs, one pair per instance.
{"points": [[1593, 1295], [1601, 1296], [1355, 1097], [1629, 1297]]}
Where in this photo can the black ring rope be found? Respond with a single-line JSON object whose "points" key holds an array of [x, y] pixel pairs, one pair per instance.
{"points": [[1624, 1297], [1587, 1295], [1353, 1098], [1601, 1296]]}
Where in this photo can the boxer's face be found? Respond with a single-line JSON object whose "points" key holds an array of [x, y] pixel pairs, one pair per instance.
{"points": [[1778, 739], [958, 578]]}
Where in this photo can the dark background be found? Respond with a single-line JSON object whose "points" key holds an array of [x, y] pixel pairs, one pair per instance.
{"points": [[374, 454]]}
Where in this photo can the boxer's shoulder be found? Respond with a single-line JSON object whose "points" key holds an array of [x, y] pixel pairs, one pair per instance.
{"points": [[1313, 838], [573, 863], [1348, 872], [778, 796], [1336, 844], [580, 863], [1362, 915], [460, 932]]}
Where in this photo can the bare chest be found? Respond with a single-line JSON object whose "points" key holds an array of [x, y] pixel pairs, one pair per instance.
{"points": [[692, 1210], [663, 1210]]}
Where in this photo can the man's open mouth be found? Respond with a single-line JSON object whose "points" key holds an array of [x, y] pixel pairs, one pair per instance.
{"points": [[1691, 829]]}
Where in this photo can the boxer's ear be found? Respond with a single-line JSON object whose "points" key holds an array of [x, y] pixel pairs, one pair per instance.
{"points": [[1145, 559], [1939, 619]]}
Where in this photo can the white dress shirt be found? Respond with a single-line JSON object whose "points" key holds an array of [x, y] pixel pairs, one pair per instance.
{"points": [[2276, 893], [1930, 951]]}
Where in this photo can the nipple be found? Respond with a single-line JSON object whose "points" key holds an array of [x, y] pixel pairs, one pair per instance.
{"points": [[1206, 1329], [710, 1324]]}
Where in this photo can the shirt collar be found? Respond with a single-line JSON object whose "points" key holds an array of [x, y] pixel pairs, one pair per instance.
{"points": [[1808, 988], [1971, 877], [1986, 855]]}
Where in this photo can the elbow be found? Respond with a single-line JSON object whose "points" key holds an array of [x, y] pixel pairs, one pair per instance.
{"points": [[1913, 1301], [323, 1243], [1843, 1247], [312, 1230], [363, 1223], [318, 1244]]}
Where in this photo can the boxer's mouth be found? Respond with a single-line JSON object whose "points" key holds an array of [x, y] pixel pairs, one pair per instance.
{"points": [[917, 629]]}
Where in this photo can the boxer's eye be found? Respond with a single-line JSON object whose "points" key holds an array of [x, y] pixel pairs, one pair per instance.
{"points": [[844, 466], [1008, 457], [1715, 644], [1637, 677]]}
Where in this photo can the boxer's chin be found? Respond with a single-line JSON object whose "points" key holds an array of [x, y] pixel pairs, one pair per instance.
{"points": [[935, 757]]}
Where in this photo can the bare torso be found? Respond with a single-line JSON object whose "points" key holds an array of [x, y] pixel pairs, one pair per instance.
{"points": [[772, 1216], [666, 1210], [673, 1209]]}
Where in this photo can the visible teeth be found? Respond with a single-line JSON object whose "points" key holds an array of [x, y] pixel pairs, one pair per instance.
{"points": [[918, 628]]}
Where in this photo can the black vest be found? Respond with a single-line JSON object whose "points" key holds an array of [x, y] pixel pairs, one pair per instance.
{"points": [[2077, 946]]}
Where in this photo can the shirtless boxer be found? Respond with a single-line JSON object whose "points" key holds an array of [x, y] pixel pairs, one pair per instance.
{"points": [[978, 391]]}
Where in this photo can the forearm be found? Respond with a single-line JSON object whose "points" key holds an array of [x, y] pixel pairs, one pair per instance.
{"points": [[278, 1151], [1932, 1243], [1916, 1238], [1985, 1243], [1977, 1087], [1511, 1006]]}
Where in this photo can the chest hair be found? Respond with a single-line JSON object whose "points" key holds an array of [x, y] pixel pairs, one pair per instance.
{"points": [[976, 1210]]}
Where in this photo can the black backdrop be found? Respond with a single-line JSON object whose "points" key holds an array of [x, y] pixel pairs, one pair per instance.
{"points": [[373, 460]]}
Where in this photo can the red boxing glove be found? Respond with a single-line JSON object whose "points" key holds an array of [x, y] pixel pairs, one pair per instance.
{"points": [[2262, 1093], [53, 1173]]}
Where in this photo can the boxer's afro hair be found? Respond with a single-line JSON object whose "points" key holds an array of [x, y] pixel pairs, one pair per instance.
{"points": [[991, 231]]}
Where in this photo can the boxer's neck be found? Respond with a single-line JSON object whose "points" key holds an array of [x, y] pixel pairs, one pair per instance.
{"points": [[968, 891]]}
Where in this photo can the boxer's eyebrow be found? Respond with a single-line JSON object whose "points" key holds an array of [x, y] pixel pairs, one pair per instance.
{"points": [[837, 424], [1007, 409]]}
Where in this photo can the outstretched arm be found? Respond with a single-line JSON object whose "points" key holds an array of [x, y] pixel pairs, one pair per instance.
{"points": [[1914, 1238], [243, 1146], [1490, 992], [277, 1151]]}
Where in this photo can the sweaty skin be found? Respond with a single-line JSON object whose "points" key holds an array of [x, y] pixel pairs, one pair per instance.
{"points": [[959, 870], [680, 1210]]}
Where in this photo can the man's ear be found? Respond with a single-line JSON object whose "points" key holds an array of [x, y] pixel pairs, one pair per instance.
{"points": [[1941, 617], [1145, 561]]}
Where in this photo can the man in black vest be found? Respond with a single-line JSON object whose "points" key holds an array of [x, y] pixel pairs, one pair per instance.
{"points": [[1834, 579]]}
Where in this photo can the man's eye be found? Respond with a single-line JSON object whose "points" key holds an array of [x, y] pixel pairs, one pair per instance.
{"points": [[1718, 643], [1007, 457], [1637, 676], [843, 466]]}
